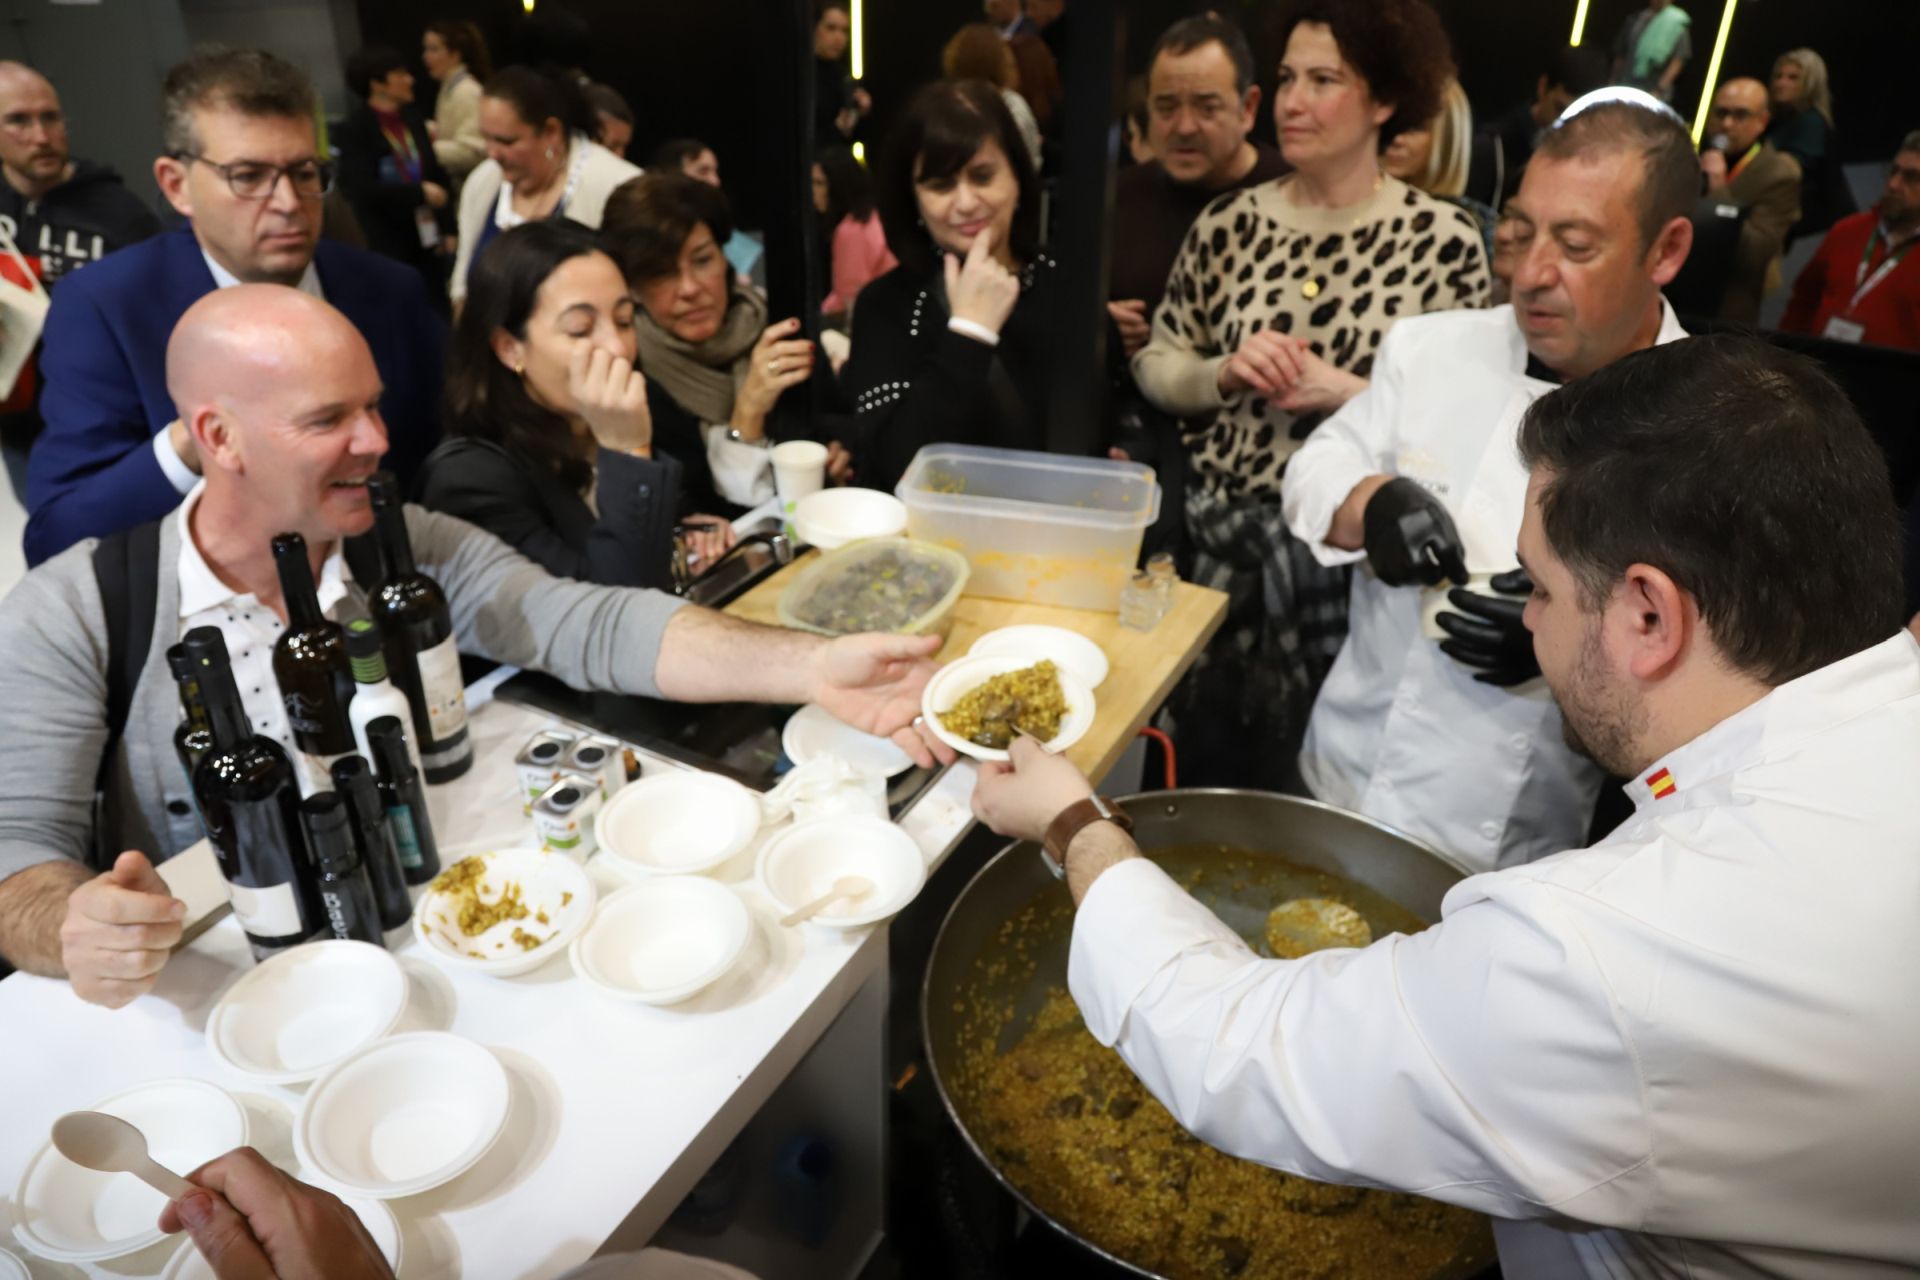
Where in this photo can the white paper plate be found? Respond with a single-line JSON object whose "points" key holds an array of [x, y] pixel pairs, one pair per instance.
{"points": [[957, 678], [293, 1016], [831, 518], [675, 823], [551, 884], [663, 940], [403, 1115], [187, 1264], [1069, 650], [814, 732], [69, 1214], [11, 1268], [801, 863]]}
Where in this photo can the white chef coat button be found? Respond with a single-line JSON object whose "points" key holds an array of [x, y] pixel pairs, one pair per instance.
{"points": [[1490, 830], [1519, 742]]}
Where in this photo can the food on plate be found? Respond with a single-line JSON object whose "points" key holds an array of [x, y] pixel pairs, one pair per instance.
{"points": [[1030, 699], [1301, 925], [464, 886]]}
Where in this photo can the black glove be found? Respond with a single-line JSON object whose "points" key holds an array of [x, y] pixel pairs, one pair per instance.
{"points": [[1410, 537], [1488, 633]]}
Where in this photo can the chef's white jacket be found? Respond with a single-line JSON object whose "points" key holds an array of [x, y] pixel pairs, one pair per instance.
{"points": [[1691, 1050], [1400, 731]]}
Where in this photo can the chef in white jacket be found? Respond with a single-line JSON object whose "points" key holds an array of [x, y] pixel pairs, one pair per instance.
{"points": [[1694, 1048], [1469, 759]]}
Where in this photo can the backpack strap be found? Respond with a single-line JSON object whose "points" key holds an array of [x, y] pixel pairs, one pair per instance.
{"points": [[126, 565]]}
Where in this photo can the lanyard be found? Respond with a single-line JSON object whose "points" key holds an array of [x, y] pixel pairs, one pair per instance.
{"points": [[406, 156], [1864, 284], [1744, 161]]}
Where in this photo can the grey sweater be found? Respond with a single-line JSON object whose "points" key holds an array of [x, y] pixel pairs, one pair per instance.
{"points": [[53, 682]]}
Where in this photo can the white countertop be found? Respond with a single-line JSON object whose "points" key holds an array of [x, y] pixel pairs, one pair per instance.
{"points": [[617, 1109]]}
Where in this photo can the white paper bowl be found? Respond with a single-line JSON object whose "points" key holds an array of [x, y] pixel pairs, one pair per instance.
{"points": [[403, 1115], [813, 731], [801, 863], [550, 883], [1069, 650], [957, 678], [187, 1264], [675, 823], [832, 518], [663, 939], [297, 1014], [69, 1214], [11, 1268]]}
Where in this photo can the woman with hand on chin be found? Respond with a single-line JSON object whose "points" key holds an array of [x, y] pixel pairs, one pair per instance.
{"points": [[1272, 317], [550, 440], [955, 345]]}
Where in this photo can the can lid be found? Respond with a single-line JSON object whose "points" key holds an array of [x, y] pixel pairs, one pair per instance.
{"points": [[590, 754], [545, 750], [568, 795]]}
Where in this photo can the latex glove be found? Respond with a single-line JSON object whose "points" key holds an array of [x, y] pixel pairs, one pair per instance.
{"points": [[252, 1222], [873, 682], [1410, 538], [1022, 797], [1489, 633], [119, 929]]}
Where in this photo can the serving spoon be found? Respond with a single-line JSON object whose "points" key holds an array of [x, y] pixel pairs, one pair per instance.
{"points": [[844, 887], [108, 1144]]}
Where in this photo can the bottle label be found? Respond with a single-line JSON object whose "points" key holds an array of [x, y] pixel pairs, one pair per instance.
{"points": [[270, 912], [440, 687], [406, 840], [342, 918]]}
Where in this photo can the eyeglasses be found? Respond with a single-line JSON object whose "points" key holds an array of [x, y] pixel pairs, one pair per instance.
{"points": [[1734, 113], [256, 180]]}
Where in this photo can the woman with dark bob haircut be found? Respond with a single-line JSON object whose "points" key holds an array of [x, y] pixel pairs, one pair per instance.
{"points": [[957, 343], [550, 445]]}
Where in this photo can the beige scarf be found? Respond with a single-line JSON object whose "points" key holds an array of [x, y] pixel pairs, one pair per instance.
{"points": [[702, 377]]}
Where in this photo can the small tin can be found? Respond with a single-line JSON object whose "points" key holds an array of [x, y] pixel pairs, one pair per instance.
{"points": [[601, 758], [563, 815], [540, 763]]}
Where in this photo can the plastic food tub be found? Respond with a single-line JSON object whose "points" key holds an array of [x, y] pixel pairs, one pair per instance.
{"points": [[861, 588], [1035, 526]]}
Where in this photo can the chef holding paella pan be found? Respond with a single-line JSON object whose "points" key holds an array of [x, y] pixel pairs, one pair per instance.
{"points": [[1691, 1049]]}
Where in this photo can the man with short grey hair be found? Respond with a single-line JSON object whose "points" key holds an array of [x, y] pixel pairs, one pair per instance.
{"points": [[243, 164]]}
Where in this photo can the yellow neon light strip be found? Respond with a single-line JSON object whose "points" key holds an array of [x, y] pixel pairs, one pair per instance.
{"points": [[860, 152], [859, 54], [1713, 71], [1579, 24]]}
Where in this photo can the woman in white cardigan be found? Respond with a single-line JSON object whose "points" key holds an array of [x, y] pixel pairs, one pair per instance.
{"points": [[455, 55], [540, 163]]}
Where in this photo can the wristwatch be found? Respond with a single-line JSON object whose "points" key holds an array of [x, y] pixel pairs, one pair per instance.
{"points": [[1072, 820], [764, 442]]}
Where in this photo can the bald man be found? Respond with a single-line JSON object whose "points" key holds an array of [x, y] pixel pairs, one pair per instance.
{"points": [[280, 396], [1744, 171], [62, 212]]}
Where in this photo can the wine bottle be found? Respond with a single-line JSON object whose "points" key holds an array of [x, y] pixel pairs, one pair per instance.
{"points": [[374, 696], [354, 781], [345, 892], [250, 802], [310, 661], [194, 737], [417, 629], [408, 823]]}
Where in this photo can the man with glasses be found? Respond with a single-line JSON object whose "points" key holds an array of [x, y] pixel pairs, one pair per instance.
{"points": [[243, 165], [62, 213], [1863, 285], [1743, 171]]}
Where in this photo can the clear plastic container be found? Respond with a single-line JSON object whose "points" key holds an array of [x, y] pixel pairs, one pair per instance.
{"points": [[882, 584], [1043, 527]]}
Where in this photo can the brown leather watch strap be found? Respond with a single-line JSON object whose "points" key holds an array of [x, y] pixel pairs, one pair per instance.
{"points": [[1072, 820]]}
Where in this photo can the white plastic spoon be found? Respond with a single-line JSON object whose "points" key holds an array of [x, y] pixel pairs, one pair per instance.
{"points": [[844, 887], [108, 1144]]}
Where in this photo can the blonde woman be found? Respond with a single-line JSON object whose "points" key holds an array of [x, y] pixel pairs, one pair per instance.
{"points": [[1435, 159], [1803, 128]]}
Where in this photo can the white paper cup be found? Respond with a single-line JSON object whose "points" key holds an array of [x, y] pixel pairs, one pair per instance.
{"points": [[1433, 600], [799, 468]]}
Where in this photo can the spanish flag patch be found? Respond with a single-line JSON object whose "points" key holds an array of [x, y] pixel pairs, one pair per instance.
{"points": [[1661, 784]]}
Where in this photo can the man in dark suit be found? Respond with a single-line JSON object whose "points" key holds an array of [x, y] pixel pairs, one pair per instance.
{"points": [[1742, 169], [243, 166]]}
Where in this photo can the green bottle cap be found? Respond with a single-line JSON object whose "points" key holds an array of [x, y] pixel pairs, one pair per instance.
{"points": [[363, 651]]}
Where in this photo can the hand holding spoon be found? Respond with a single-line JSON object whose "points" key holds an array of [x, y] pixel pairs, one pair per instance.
{"points": [[844, 887], [108, 1144]]}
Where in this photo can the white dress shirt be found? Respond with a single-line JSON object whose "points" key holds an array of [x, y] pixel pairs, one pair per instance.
{"points": [[1691, 1050], [251, 630], [178, 473], [1400, 731]]}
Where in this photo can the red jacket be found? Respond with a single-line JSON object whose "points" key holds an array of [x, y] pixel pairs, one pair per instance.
{"points": [[1890, 313]]}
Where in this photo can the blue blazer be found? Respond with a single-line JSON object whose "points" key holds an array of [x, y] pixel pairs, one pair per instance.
{"points": [[103, 362]]}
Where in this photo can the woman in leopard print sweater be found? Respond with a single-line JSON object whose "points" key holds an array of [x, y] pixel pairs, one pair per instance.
{"points": [[1273, 313]]}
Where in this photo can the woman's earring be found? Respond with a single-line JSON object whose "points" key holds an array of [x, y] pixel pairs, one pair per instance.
{"points": [[519, 369], [549, 153]]}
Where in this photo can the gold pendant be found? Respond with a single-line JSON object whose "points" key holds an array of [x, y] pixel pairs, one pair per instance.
{"points": [[1310, 290]]}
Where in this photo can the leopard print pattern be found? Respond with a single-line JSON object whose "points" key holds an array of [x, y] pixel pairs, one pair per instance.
{"points": [[1243, 269]]}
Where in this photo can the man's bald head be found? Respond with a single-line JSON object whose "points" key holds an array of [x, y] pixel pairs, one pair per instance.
{"points": [[253, 344], [1741, 111], [33, 131], [14, 74]]}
